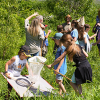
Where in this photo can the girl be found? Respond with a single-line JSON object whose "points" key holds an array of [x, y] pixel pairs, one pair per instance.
{"points": [[83, 72], [83, 39], [74, 32]]}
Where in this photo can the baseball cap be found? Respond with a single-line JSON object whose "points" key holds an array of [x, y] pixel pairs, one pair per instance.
{"points": [[57, 36], [26, 50]]}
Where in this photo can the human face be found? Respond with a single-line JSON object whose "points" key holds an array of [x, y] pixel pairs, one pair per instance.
{"points": [[41, 21], [68, 19], [72, 25], [87, 29], [23, 56]]}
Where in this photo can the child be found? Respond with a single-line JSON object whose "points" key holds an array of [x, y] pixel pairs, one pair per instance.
{"points": [[59, 29], [87, 28], [62, 66], [82, 37], [16, 64], [83, 71], [74, 32]]}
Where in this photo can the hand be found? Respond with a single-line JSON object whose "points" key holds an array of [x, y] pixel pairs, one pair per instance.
{"points": [[42, 26], [35, 13], [98, 24], [91, 38], [49, 31], [94, 44], [49, 66], [8, 75], [57, 70], [69, 30]]}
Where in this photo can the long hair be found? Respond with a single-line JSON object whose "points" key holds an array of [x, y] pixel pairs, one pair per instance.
{"points": [[75, 23], [71, 47], [34, 27], [99, 13], [81, 32]]}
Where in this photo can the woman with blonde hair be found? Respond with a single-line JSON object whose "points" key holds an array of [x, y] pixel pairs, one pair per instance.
{"points": [[34, 35], [83, 71]]}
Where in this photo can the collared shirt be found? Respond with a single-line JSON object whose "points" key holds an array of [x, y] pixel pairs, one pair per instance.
{"points": [[66, 26]]}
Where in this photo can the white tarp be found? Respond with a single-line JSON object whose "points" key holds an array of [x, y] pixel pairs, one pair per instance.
{"points": [[41, 86]]}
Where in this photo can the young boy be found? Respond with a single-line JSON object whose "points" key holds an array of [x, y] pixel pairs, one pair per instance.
{"points": [[59, 29], [61, 66], [16, 64]]}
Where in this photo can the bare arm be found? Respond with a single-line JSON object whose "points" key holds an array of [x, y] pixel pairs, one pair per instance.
{"points": [[66, 31], [96, 42], [85, 53], [85, 38], [60, 64], [49, 31], [57, 60], [91, 37], [32, 16], [42, 26], [7, 64], [75, 39]]}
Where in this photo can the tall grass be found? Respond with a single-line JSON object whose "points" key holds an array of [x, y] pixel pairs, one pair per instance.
{"points": [[91, 91]]}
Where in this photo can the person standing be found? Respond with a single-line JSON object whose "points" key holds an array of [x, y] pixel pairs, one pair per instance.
{"points": [[74, 32], [61, 66], [67, 25], [83, 71], [34, 34]]}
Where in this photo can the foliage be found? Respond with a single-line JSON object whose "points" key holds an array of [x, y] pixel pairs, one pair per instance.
{"points": [[12, 36]]}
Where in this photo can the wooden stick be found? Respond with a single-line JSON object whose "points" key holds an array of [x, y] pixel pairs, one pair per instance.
{"points": [[28, 88], [62, 74], [59, 73], [41, 47]]}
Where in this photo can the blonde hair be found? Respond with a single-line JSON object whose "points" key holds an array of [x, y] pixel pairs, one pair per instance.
{"points": [[71, 48], [34, 27]]}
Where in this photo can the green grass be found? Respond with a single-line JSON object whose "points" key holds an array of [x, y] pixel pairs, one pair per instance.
{"points": [[91, 91]]}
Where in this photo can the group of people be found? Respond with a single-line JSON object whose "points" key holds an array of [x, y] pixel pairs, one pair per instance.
{"points": [[71, 40]]}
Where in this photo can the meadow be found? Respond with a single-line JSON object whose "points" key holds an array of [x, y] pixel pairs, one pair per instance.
{"points": [[12, 36]]}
